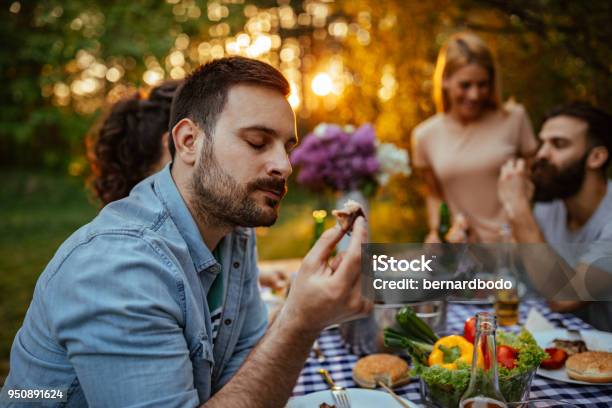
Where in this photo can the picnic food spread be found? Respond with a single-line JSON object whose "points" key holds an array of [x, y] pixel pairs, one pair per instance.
{"points": [[446, 374], [554, 386], [590, 366], [580, 363]]}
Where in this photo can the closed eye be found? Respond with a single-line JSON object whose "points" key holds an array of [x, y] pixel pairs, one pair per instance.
{"points": [[256, 146], [560, 143]]}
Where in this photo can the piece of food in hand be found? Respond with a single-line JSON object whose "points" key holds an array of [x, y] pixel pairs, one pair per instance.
{"points": [[348, 214], [571, 347], [388, 368], [590, 366], [506, 356], [469, 329], [556, 360]]}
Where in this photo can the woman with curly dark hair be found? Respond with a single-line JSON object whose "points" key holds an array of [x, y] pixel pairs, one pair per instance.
{"points": [[131, 143]]}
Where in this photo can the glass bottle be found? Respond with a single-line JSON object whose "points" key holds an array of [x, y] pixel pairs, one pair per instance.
{"points": [[318, 217], [483, 390], [507, 299], [444, 224]]}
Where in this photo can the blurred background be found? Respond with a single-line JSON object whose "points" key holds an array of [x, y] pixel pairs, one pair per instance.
{"points": [[62, 63]]}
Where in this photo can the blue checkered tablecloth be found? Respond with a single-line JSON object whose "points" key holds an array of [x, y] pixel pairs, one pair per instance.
{"points": [[339, 361]]}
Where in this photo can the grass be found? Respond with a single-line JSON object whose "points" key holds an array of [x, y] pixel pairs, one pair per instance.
{"points": [[38, 211]]}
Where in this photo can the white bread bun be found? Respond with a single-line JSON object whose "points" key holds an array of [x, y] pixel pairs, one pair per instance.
{"points": [[590, 366], [368, 368]]}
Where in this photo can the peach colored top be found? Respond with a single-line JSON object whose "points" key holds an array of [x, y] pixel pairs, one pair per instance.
{"points": [[466, 161]]}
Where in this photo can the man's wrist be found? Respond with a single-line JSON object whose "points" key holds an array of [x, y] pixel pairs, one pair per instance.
{"points": [[524, 224], [294, 326], [517, 209]]}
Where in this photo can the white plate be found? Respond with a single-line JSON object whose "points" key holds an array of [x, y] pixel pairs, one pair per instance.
{"points": [[360, 398], [595, 341]]}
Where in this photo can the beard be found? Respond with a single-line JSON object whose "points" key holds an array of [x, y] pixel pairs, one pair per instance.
{"points": [[218, 199], [552, 183]]}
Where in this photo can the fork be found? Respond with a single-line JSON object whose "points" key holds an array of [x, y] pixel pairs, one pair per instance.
{"points": [[385, 382], [339, 393]]}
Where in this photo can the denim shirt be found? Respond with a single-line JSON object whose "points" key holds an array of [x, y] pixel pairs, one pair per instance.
{"points": [[119, 316]]}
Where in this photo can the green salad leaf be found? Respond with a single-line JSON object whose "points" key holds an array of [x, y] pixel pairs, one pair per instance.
{"points": [[530, 355], [446, 387]]}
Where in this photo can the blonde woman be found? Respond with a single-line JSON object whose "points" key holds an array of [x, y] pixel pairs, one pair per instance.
{"points": [[461, 149]]}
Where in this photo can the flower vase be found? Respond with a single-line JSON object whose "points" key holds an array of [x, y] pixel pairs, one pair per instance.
{"points": [[343, 197]]}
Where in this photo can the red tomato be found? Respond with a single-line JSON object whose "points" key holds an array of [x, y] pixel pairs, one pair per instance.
{"points": [[469, 329], [506, 356], [556, 360]]}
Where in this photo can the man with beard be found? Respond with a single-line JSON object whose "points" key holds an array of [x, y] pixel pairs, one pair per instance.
{"points": [[574, 206], [155, 302]]}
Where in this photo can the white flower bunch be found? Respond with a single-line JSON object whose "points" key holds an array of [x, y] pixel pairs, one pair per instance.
{"points": [[393, 160], [320, 129]]}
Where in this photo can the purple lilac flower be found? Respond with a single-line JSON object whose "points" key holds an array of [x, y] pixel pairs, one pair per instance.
{"points": [[330, 157]]}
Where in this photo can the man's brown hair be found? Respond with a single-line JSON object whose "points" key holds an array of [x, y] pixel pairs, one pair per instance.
{"points": [[599, 132], [203, 95]]}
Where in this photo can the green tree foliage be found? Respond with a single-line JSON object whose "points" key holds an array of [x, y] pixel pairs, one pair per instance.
{"points": [[549, 52], [41, 40], [552, 50]]}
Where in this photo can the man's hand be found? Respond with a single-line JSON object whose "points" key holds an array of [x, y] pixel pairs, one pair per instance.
{"points": [[566, 306], [325, 293], [514, 188], [322, 294], [458, 233], [274, 279], [433, 238]]}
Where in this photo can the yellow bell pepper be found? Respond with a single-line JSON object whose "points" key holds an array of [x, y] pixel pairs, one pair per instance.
{"points": [[450, 350]]}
